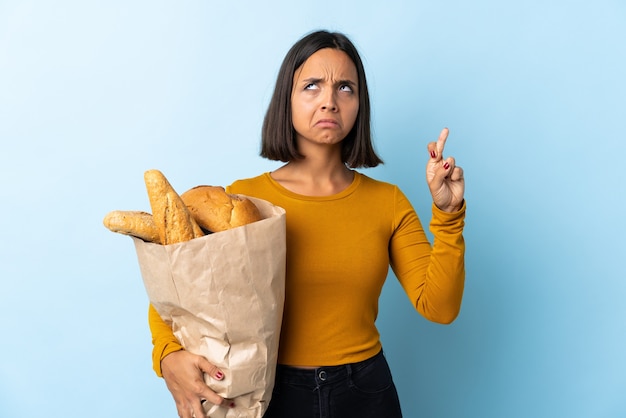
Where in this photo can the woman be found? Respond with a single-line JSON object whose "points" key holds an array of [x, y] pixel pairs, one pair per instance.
{"points": [[344, 229]]}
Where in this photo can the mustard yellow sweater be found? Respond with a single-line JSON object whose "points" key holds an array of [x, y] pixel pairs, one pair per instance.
{"points": [[339, 249]]}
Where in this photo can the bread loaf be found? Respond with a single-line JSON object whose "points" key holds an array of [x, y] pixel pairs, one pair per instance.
{"points": [[215, 210], [173, 220], [136, 223]]}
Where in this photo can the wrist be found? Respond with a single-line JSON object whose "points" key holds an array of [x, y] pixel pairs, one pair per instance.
{"points": [[451, 208]]}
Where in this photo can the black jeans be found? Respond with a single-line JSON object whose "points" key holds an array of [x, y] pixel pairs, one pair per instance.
{"points": [[359, 390]]}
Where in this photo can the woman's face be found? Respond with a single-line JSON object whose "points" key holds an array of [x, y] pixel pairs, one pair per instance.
{"points": [[324, 99]]}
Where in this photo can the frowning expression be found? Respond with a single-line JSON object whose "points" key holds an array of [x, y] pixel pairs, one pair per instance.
{"points": [[325, 98]]}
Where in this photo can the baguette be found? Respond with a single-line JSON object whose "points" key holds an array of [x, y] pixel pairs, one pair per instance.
{"points": [[173, 220], [215, 210], [131, 222]]}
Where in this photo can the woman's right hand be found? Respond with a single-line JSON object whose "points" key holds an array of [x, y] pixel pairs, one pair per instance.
{"points": [[184, 376]]}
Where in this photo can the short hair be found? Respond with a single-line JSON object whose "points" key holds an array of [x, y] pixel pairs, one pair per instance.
{"points": [[278, 137]]}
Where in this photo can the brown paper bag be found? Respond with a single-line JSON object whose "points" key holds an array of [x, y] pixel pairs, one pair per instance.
{"points": [[223, 295]]}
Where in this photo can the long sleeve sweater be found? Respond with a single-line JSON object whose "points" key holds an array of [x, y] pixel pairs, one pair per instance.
{"points": [[339, 250]]}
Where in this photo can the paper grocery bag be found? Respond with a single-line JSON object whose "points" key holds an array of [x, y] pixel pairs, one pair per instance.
{"points": [[223, 295]]}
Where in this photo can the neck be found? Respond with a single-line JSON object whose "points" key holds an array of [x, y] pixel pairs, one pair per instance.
{"points": [[314, 177]]}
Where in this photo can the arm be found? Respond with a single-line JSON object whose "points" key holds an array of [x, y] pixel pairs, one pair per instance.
{"points": [[433, 277], [183, 371], [163, 340]]}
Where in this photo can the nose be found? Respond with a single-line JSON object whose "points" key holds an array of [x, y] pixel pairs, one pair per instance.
{"points": [[329, 101]]}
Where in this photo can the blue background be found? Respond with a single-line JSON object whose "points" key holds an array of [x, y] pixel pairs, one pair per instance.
{"points": [[93, 93]]}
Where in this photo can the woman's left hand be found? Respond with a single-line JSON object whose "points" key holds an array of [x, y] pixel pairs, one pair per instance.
{"points": [[445, 179]]}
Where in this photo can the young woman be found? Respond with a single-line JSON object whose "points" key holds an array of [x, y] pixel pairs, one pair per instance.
{"points": [[344, 229]]}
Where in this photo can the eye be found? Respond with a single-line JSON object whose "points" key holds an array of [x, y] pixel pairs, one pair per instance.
{"points": [[345, 87], [311, 86]]}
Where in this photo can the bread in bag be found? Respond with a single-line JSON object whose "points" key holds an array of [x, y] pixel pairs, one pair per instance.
{"points": [[173, 220], [132, 222], [215, 210]]}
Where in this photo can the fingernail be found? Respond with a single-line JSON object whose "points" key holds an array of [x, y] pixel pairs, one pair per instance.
{"points": [[446, 166], [219, 375], [432, 154], [232, 404]]}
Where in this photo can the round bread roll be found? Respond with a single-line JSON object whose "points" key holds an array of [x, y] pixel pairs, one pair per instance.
{"points": [[215, 210]]}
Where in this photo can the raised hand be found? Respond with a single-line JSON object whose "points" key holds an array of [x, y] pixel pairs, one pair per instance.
{"points": [[445, 179]]}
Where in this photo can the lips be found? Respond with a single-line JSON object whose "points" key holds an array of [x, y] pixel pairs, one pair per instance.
{"points": [[327, 123]]}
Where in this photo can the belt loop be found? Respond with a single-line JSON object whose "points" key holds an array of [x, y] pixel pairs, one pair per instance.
{"points": [[349, 370]]}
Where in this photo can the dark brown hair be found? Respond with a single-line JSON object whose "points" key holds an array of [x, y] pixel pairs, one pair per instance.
{"points": [[278, 138]]}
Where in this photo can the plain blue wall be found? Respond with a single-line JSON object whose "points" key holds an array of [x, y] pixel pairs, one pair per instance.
{"points": [[93, 93]]}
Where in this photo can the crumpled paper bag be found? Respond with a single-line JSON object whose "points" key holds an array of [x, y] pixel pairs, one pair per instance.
{"points": [[223, 295]]}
